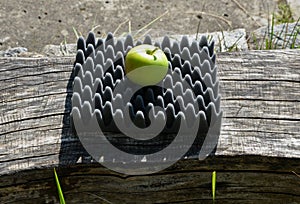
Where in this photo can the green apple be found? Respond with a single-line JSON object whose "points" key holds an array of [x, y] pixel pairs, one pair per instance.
{"points": [[146, 65]]}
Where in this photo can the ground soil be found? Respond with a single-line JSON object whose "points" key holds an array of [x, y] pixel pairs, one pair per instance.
{"points": [[34, 24]]}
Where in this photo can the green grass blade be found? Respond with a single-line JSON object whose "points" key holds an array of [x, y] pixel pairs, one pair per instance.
{"points": [[231, 48], [267, 44], [279, 37], [60, 193], [75, 32], [213, 184], [294, 34], [296, 174], [153, 21], [272, 33]]}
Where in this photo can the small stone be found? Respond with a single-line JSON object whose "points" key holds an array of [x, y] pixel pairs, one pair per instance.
{"points": [[64, 32], [60, 50], [13, 52], [284, 36], [234, 40]]}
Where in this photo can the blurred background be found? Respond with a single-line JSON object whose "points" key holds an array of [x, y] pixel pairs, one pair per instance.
{"points": [[35, 24]]}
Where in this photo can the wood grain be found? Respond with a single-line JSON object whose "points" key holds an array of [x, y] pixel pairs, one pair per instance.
{"points": [[258, 148]]}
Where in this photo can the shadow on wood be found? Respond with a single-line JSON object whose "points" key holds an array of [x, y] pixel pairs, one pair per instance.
{"points": [[258, 148], [71, 150]]}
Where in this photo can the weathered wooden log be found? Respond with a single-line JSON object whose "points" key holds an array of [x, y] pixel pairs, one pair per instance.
{"points": [[257, 152]]}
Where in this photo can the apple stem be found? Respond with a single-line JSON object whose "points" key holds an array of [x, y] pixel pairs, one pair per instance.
{"points": [[152, 52]]}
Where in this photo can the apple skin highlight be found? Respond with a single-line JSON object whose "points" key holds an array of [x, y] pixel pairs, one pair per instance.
{"points": [[146, 65]]}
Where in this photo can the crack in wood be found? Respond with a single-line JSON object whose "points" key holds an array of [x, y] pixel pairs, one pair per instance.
{"points": [[258, 147]]}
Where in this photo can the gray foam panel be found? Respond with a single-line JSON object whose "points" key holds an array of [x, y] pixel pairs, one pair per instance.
{"points": [[94, 90]]}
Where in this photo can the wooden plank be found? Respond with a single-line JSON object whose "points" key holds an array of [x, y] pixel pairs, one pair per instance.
{"points": [[260, 136], [42, 98], [182, 183]]}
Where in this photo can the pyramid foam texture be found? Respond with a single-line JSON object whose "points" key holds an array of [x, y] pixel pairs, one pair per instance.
{"points": [[189, 62]]}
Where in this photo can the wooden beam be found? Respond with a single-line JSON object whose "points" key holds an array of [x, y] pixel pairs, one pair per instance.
{"points": [[259, 142]]}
